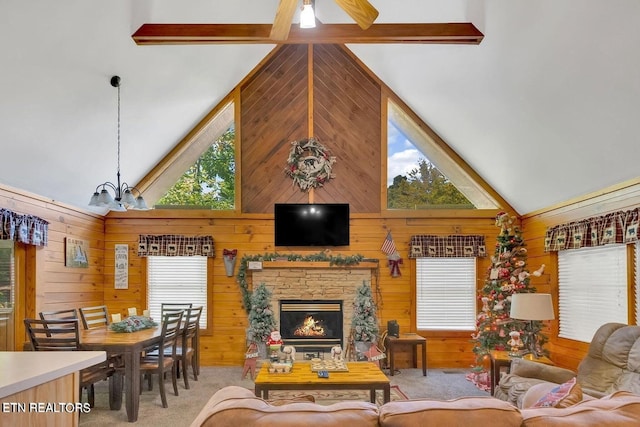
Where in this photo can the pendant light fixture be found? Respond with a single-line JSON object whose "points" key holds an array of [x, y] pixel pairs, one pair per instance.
{"points": [[307, 16], [123, 197]]}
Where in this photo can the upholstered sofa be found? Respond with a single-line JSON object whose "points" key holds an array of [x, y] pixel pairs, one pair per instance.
{"points": [[237, 406], [611, 364]]}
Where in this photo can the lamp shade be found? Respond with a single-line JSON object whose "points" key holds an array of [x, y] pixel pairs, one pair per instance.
{"points": [[531, 307]]}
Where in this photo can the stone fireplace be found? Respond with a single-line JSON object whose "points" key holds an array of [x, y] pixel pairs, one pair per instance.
{"points": [[314, 281]]}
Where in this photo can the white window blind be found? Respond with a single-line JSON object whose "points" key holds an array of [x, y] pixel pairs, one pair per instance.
{"points": [[446, 294], [592, 284], [177, 279]]}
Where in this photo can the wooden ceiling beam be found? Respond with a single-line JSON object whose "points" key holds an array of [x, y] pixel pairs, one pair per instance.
{"points": [[445, 33]]}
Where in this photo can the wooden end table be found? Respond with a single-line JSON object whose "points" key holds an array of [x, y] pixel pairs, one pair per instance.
{"points": [[414, 340], [501, 359], [361, 376]]}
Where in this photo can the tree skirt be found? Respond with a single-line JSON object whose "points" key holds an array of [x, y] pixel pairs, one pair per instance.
{"points": [[480, 380]]}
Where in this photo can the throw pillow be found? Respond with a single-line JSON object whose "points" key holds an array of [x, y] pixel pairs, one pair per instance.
{"points": [[562, 396]]}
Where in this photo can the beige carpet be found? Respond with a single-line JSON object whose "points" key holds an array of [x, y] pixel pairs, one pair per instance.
{"points": [[439, 384]]}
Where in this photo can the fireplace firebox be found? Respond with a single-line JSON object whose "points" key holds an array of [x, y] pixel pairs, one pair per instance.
{"points": [[311, 324]]}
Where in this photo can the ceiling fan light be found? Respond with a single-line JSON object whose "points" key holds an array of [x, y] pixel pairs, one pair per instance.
{"points": [[307, 17]]}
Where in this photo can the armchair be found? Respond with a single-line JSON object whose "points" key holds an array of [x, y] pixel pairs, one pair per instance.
{"points": [[611, 364]]}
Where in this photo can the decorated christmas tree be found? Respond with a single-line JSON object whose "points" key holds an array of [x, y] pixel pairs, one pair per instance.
{"points": [[506, 276], [364, 323], [261, 318]]}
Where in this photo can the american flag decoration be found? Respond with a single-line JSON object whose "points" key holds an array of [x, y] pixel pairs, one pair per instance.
{"points": [[388, 246]]}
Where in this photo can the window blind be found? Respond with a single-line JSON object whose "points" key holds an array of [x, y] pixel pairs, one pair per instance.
{"points": [[592, 286], [446, 293], [177, 279]]}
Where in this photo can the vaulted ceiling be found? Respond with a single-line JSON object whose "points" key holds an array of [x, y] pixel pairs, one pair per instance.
{"points": [[544, 108]]}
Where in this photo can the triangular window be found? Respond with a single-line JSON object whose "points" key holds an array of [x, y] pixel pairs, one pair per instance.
{"points": [[421, 174], [207, 168]]}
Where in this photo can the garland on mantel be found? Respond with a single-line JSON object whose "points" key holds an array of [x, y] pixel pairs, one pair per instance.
{"points": [[319, 257]]}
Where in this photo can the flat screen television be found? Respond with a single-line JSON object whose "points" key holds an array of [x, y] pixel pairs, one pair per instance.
{"points": [[316, 224]]}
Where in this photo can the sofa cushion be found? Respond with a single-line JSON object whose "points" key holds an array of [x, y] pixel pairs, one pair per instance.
{"points": [[466, 411], [561, 396], [238, 406], [621, 409]]}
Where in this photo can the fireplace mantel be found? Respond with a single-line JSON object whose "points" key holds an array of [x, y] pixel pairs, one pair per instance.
{"points": [[317, 264]]}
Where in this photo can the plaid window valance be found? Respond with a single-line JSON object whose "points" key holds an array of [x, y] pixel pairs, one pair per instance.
{"points": [[616, 227], [28, 229], [175, 245], [449, 246]]}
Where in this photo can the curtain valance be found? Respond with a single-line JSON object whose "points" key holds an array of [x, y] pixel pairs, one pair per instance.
{"points": [[175, 245], [616, 227], [28, 229], [447, 246]]}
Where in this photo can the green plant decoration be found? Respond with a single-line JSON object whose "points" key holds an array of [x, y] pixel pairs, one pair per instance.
{"points": [[241, 277]]}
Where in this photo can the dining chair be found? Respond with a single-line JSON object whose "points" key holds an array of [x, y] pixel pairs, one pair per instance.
{"points": [[64, 335], [68, 314], [187, 345], [94, 317], [160, 363], [187, 350], [166, 307]]}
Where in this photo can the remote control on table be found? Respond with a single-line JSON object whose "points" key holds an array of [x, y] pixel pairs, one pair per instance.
{"points": [[323, 374]]}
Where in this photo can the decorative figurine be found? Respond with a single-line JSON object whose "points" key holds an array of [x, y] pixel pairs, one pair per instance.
{"points": [[250, 359], [275, 343], [336, 353], [515, 342]]}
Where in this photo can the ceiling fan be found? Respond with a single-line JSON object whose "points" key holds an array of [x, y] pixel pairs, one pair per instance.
{"points": [[361, 11], [283, 32]]}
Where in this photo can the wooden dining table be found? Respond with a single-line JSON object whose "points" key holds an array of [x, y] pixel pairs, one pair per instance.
{"points": [[129, 345]]}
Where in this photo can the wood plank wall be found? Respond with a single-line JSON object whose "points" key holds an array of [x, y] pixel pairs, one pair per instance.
{"points": [[342, 108], [253, 235], [569, 353], [46, 283]]}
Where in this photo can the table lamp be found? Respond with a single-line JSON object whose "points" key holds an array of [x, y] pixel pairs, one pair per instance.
{"points": [[532, 307]]}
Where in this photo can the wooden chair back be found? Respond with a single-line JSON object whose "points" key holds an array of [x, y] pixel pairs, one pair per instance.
{"points": [[53, 335], [68, 314], [167, 307], [94, 317], [191, 325]]}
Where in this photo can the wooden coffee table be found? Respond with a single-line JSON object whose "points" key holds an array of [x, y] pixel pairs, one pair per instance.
{"points": [[361, 376]]}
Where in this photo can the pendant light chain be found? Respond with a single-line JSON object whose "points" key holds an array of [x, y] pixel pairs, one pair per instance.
{"points": [[118, 130], [124, 194]]}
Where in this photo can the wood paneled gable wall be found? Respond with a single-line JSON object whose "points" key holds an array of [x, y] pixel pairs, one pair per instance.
{"points": [[304, 91]]}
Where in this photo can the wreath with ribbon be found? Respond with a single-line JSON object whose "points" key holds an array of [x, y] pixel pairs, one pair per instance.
{"points": [[309, 164]]}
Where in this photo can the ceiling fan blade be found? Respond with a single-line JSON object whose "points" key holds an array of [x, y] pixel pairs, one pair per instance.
{"points": [[360, 11], [282, 21]]}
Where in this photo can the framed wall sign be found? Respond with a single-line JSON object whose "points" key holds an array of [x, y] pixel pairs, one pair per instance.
{"points": [[76, 253], [121, 273]]}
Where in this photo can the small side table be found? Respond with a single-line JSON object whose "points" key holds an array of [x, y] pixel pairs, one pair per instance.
{"points": [[407, 339], [501, 359]]}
